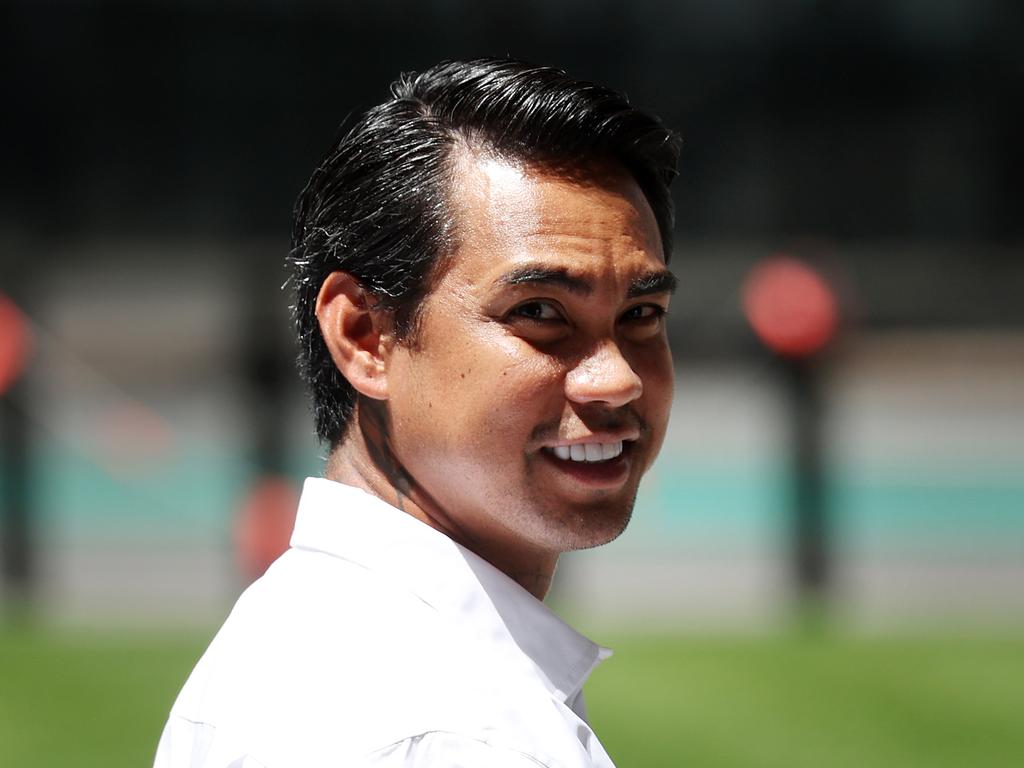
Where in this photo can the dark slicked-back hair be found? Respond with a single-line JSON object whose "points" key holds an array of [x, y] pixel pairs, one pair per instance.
{"points": [[379, 204]]}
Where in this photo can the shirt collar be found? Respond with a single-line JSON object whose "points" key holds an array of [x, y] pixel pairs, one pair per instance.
{"points": [[352, 524]]}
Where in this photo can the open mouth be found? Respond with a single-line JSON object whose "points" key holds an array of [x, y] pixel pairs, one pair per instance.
{"points": [[593, 466]]}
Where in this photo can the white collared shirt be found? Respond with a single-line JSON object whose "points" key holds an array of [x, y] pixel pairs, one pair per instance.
{"points": [[378, 641]]}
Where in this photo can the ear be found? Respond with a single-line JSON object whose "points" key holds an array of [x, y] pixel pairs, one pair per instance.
{"points": [[355, 332]]}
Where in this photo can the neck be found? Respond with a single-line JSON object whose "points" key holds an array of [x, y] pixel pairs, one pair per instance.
{"points": [[365, 459]]}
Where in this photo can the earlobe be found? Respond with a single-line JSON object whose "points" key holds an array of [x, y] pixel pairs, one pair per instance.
{"points": [[351, 327]]}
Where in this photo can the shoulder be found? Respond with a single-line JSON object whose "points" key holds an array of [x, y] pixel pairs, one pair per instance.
{"points": [[323, 653], [315, 646], [323, 661]]}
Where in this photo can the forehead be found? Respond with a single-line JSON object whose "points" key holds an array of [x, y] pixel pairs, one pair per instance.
{"points": [[596, 221]]}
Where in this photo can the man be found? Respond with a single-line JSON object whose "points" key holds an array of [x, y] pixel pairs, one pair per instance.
{"points": [[479, 267]]}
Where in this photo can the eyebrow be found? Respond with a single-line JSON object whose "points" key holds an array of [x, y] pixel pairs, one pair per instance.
{"points": [[556, 276], [653, 282]]}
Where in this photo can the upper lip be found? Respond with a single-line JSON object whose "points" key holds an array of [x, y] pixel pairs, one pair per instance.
{"points": [[628, 435]]}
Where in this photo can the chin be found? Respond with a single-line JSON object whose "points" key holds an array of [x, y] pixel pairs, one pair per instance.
{"points": [[594, 525]]}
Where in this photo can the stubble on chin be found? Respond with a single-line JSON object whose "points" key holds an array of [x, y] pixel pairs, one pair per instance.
{"points": [[573, 526]]}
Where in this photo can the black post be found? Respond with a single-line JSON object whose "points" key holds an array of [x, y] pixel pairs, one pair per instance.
{"points": [[18, 565], [16, 561], [266, 374], [810, 514]]}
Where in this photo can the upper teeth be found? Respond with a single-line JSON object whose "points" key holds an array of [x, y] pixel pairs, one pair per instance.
{"points": [[588, 451]]}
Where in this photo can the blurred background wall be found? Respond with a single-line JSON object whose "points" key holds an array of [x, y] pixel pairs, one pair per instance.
{"points": [[152, 152]]}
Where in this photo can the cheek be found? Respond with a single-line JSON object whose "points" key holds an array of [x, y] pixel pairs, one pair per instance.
{"points": [[517, 371], [510, 389], [487, 391]]}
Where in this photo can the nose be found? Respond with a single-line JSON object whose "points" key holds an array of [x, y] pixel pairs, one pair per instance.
{"points": [[604, 376]]}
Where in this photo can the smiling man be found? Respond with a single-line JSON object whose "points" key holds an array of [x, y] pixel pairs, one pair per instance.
{"points": [[480, 274]]}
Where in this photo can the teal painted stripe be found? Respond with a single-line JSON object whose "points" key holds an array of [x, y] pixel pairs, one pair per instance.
{"points": [[713, 498], [958, 503], [198, 491], [685, 499], [195, 494]]}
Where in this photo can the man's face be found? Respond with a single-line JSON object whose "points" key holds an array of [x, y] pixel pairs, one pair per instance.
{"points": [[537, 390]]}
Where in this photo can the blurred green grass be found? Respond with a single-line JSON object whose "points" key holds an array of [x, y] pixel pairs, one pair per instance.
{"points": [[100, 699], [812, 700]]}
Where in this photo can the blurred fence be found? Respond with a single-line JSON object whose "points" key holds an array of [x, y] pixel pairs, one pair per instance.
{"points": [[143, 415]]}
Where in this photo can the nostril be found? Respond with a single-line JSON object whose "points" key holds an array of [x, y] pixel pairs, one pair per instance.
{"points": [[605, 376]]}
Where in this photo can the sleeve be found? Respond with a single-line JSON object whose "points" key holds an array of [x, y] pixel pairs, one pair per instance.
{"points": [[441, 749]]}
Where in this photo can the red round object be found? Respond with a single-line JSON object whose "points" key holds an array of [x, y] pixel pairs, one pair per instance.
{"points": [[263, 524], [790, 307], [14, 343]]}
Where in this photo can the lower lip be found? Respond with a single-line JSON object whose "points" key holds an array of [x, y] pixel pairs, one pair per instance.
{"points": [[599, 475]]}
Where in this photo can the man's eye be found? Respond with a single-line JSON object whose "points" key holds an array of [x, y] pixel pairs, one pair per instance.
{"points": [[537, 310], [645, 313]]}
